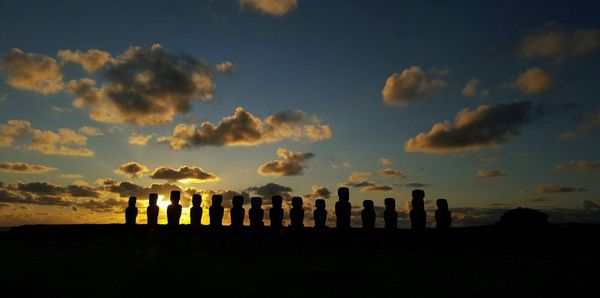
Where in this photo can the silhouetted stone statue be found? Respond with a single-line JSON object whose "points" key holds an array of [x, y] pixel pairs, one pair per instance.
{"points": [[196, 211], [215, 212], [131, 211], [152, 210], [367, 215], [418, 217], [320, 214], [174, 210], [256, 213], [390, 216], [297, 213], [276, 213], [442, 215], [343, 208], [237, 212]]}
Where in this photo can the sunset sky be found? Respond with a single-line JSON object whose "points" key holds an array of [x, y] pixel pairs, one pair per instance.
{"points": [[489, 104]]}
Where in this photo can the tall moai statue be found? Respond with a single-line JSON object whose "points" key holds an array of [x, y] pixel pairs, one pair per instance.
{"points": [[367, 215], [390, 216], [215, 212], [320, 214], [443, 217], [131, 211], [297, 213], [196, 211], [237, 212], [256, 213], [174, 210], [152, 210], [276, 213], [418, 217], [343, 208]]}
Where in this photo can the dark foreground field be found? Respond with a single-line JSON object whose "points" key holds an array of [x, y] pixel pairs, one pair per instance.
{"points": [[114, 260]]}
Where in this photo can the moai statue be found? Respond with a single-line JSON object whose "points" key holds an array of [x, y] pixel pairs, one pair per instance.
{"points": [[297, 213], [367, 215], [196, 211], [174, 210], [256, 213], [131, 211], [343, 208], [152, 210], [320, 214], [215, 212], [390, 216], [443, 217], [418, 217], [237, 212], [276, 213]]}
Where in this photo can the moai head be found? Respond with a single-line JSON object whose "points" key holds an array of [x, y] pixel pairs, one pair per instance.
{"points": [[442, 204], [344, 194], [276, 200], [320, 204], [196, 200], [152, 199], [132, 201], [390, 203], [237, 201], [256, 202], [216, 200], [368, 204], [175, 197], [418, 194], [297, 202]]}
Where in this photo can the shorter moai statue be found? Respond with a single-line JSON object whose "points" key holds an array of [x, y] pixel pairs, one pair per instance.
{"points": [[174, 210], [297, 213], [276, 213], [196, 211], [367, 215], [256, 213], [443, 217], [152, 210], [390, 216], [418, 217], [131, 211], [237, 212], [343, 208], [320, 214], [215, 212]]}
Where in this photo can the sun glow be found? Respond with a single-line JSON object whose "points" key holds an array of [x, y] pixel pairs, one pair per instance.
{"points": [[163, 202]]}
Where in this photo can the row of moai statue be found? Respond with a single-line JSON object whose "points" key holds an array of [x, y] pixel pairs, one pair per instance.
{"points": [[343, 208]]}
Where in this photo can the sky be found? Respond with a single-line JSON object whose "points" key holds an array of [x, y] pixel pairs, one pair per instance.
{"points": [[490, 105]]}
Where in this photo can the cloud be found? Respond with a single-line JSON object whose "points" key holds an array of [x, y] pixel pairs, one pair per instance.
{"points": [[554, 188], [385, 161], [90, 131], [410, 85], [576, 166], [145, 86], [270, 189], [417, 184], [184, 174], [489, 174], [71, 176], [376, 188], [587, 124], [24, 168], [65, 142], [486, 126], [225, 67], [356, 177], [558, 44], [33, 72], [48, 189], [131, 169], [319, 192], [391, 173], [271, 7], [472, 89], [245, 129], [13, 130], [91, 60], [343, 164], [139, 139], [533, 81], [290, 164]]}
